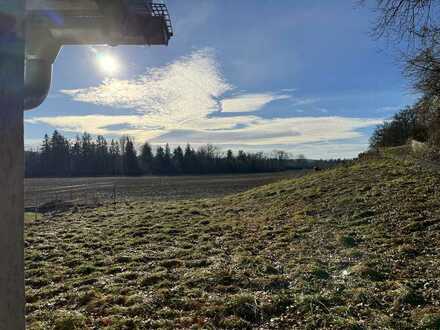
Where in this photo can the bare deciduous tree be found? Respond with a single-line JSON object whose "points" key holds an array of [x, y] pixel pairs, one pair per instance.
{"points": [[413, 20], [415, 26]]}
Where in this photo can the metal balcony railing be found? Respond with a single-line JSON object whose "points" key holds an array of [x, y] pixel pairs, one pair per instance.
{"points": [[161, 10]]}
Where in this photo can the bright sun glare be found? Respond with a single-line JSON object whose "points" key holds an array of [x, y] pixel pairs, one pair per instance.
{"points": [[108, 64]]}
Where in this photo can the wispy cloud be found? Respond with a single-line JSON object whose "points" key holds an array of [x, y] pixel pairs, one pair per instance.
{"points": [[94, 124], [319, 150], [181, 102], [245, 130], [296, 101], [250, 102], [167, 97], [251, 130]]}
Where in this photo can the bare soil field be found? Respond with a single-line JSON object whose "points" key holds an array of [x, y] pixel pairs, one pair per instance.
{"points": [[90, 190]]}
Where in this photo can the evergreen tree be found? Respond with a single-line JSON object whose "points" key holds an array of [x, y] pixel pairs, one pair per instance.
{"points": [[230, 161], [189, 160], [168, 165], [59, 155], [178, 159], [115, 158], [102, 166], [159, 161], [75, 157], [32, 163], [241, 161], [86, 157], [129, 158], [146, 158], [45, 156]]}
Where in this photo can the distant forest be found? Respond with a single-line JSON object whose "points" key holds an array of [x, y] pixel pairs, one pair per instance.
{"points": [[85, 156]]}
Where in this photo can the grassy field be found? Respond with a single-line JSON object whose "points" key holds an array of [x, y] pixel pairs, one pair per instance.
{"points": [[350, 248]]}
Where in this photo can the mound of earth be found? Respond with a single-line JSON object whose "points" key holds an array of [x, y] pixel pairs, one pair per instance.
{"points": [[355, 247]]}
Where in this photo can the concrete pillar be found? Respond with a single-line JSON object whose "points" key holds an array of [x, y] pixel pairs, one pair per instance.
{"points": [[12, 312]]}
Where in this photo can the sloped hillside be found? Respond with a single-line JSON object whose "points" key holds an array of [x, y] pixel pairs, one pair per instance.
{"points": [[350, 248]]}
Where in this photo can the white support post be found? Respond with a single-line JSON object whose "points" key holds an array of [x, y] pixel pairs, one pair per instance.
{"points": [[12, 301]]}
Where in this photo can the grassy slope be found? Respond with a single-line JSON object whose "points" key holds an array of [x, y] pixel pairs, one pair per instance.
{"points": [[354, 247]]}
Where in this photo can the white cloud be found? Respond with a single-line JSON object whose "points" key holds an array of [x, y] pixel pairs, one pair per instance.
{"points": [[178, 103], [251, 130], [169, 96], [250, 102], [244, 130], [91, 123], [303, 101], [321, 150], [133, 125], [177, 94]]}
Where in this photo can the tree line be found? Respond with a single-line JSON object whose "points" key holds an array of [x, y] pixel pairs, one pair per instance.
{"points": [[88, 156], [416, 26]]}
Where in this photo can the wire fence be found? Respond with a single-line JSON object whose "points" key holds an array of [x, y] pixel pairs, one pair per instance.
{"points": [[45, 195], [43, 200]]}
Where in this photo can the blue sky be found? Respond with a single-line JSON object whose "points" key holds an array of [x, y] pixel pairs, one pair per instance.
{"points": [[303, 76]]}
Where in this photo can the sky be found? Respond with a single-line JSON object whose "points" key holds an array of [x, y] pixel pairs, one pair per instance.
{"points": [[303, 76]]}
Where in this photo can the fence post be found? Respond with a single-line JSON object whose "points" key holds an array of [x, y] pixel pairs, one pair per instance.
{"points": [[12, 302]]}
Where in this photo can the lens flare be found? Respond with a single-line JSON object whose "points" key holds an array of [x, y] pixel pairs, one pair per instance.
{"points": [[108, 64]]}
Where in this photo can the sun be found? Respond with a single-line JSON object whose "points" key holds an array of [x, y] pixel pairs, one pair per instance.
{"points": [[108, 64]]}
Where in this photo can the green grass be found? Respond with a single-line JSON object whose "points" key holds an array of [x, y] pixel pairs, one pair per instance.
{"points": [[350, 248]]}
